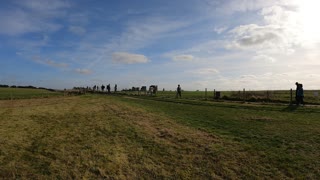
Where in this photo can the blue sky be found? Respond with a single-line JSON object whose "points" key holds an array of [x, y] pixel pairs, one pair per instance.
{"points": [[215, 44]]}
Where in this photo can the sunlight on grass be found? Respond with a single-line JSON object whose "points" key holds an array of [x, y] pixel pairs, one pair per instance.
{"points": [[111, 137]]}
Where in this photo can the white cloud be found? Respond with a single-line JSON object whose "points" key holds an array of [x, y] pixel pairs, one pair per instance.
{"points": [[137, 34], [280, 32], [199, 50], [183, 57], [263, 58], [233, 6], [49, 62], [205, 71], [127, 58], [142, 32], [220, 30], [55, 64], [32, 16], [44, 5], [252, 35], [16, 22], [77, 30], [83, 71]]}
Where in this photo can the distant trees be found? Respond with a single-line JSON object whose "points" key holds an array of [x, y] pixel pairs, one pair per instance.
{"points": [[27, 87], [14, 86]]}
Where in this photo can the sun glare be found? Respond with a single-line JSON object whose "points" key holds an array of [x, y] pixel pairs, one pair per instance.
{"points": [[309, 13]]}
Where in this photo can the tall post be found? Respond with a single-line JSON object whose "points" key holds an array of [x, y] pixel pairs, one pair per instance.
{"points": [[206, 94], [244, 94], [214, 94], [291, 96]]}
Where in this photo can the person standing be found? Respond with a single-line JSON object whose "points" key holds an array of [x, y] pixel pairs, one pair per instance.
{"points": [[178, 91], [108, 88], [300, 95], [102, 87], [297, 89], [115, 88]]}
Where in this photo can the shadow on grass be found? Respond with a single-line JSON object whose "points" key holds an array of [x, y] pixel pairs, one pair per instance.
{"points": [[291, 107], [302, 109]]}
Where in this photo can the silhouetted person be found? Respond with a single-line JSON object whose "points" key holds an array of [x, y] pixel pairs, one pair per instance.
{"points": [[102, 87], [299, 94], [115, 88], [178, 91], [108, 88]]}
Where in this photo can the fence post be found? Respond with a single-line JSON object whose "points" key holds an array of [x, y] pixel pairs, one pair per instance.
{"points": [[244, 94], [206, 94], [291, 96]]}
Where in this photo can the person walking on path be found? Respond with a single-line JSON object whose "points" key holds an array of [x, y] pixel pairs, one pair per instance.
{"points": [[178, 91]]}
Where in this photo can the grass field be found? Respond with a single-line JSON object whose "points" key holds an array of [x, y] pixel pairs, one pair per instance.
{"points": [[128, 137], [24, 93], [277, 96]]}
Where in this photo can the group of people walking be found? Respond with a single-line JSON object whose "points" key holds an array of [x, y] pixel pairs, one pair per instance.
{"points": [[299, 91], [96, 88]]}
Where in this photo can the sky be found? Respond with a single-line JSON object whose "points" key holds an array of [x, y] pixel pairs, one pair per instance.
{"points": [[214, 44]]}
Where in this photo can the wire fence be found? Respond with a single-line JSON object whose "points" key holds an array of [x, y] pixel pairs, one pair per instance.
{"points": [[276, 96]]}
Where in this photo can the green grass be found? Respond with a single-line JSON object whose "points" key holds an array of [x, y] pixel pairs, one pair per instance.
{"points": [[24, 93], [277, 96], [286, 138], [125, 137]]}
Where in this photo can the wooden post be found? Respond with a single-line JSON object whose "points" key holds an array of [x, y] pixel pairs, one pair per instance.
{"points": [[214, 94], [291, 96]]}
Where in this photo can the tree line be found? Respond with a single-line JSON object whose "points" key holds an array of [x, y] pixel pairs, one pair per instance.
{"points": [[26, 87]]}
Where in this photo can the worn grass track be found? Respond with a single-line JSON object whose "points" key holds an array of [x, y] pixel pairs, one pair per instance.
{"points": [[119, 138]]}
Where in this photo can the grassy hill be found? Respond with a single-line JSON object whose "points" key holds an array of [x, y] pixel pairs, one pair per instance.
{"points": [[122, 137]]}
